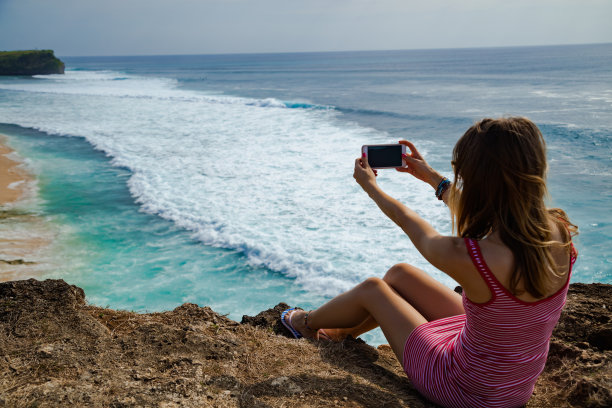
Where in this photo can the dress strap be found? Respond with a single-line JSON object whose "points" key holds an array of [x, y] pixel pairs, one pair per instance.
{"points": [[495, 285], [573, 254], [480, 264]]}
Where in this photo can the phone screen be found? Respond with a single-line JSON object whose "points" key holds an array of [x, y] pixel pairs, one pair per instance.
{"points": [[385, 156]]}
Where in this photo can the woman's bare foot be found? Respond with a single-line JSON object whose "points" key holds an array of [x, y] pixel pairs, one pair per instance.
{"points": [[296, 319], [335, 335]]}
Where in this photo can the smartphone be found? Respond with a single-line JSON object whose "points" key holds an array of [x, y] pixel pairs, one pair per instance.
{"points": [[387, 156]]}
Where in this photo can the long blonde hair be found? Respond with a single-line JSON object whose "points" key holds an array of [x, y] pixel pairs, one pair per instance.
{"points": [[500, 184]]}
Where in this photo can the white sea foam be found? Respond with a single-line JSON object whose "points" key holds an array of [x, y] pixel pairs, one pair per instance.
{"points": [[241, 173], [15, 184], [112, 84]]}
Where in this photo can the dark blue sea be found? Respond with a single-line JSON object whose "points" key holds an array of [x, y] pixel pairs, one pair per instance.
{"points": [[226, 180]]}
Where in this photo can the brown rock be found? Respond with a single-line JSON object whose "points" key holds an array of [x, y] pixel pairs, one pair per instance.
{"points": [[55, 350]]}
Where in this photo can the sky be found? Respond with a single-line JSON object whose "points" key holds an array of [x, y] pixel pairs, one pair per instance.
{"points": [[150, 27]]}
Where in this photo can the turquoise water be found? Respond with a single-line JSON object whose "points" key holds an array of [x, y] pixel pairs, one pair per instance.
{"points": [[227, 180], [128, 259]]}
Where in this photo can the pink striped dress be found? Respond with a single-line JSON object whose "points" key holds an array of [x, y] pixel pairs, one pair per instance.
{"points": [[492, 355]]}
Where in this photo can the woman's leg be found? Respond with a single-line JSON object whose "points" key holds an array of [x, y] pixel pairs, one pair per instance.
{"points": [[373, 297], [429, 297]]}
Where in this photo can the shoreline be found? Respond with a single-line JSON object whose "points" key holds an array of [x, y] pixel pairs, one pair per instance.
{"points": [[13, 178], [23, 234]]}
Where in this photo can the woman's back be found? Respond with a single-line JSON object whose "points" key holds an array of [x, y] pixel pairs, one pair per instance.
{"points": [[500, 260], [492, 355], [505, 340]]}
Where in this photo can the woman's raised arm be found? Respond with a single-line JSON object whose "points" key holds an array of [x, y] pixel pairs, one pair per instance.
{"points": [[444, 252]]}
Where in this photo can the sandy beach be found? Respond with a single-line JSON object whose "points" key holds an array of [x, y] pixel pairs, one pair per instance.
{"points": [[13, 178], [22, 235]]}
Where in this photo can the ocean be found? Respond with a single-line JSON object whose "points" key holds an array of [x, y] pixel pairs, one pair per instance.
{"points": [[226, 180]]}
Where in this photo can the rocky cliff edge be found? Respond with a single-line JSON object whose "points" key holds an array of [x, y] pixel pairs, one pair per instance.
{"points": [[56, 350]]}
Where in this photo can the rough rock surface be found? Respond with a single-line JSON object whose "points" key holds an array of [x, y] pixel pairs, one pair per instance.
{"points": [[55, 350]]}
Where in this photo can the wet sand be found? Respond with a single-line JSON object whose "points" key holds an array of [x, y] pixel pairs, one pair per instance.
{"points": [[13, 178], [23, 235]]}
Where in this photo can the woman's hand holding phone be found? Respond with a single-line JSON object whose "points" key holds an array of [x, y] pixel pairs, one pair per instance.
{"points": [[363, 173], [418, 167]]}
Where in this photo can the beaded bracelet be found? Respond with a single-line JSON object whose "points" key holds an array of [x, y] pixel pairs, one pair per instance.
{"points": [[306, 320], [442, 187]]}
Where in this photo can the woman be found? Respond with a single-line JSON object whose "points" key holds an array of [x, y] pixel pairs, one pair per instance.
{"points": [[512, 256]]}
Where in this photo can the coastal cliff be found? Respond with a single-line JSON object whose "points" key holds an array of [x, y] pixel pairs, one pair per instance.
{"points": [[57, 350], [32, 62]]}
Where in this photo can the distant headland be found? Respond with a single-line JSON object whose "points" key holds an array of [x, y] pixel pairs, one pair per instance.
{"points": [[31, 62]]}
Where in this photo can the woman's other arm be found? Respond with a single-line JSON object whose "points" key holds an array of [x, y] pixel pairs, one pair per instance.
{"points": [[419, 168]]}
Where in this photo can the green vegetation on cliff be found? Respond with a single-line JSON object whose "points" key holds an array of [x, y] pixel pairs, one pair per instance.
{"points": [[33, 62]]}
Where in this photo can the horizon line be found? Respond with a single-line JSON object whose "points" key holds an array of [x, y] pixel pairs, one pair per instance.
{"points": [[327, 51]]}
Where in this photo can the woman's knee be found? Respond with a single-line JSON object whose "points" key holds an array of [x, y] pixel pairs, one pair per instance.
{"points": [[400, 273], [374, 284]]}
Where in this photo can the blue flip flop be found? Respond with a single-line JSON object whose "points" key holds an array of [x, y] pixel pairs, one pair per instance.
{"points": [[287, 324]]}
